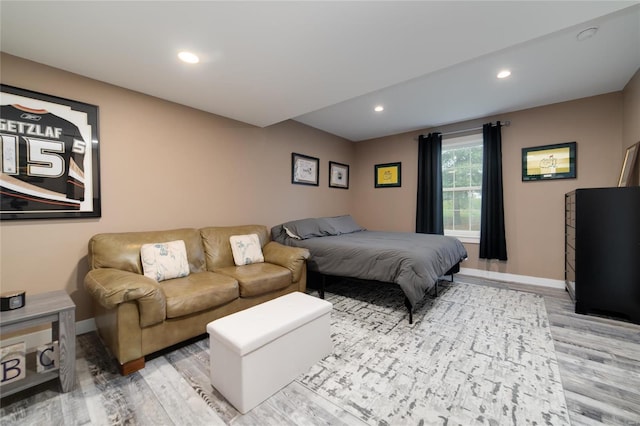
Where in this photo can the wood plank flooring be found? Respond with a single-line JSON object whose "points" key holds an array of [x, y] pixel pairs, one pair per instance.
{"points": [[599, 361]]}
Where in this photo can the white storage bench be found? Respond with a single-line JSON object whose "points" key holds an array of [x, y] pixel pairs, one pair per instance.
{"points": [[256, 352]]}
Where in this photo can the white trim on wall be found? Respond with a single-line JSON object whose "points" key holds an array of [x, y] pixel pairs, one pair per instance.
{"points": [[85, 326], [520, 279]]}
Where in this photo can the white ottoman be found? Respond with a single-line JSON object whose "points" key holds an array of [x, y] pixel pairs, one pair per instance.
{"points": [[256, 352]]}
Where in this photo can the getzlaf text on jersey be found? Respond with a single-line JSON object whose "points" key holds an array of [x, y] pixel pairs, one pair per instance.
{"points": [[42, 160]]}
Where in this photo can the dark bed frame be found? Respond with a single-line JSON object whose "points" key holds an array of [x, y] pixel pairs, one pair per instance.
{"points": [[323, 283]]}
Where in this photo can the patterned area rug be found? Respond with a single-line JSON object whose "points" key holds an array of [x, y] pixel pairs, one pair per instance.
{"points": [[474, 355]]}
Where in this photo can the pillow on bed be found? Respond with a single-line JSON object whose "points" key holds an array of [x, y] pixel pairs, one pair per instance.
{"points": [[290, 234], [321, 227], [343, 225], [307, 228]]}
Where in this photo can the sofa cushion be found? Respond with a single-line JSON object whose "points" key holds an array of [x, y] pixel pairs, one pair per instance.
{"points": [[163, 261], [258, 278], [122, 250], [246, 249], [198, 292]]}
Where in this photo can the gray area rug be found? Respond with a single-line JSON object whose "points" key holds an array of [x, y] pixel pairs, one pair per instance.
{"points": [[474, 355]]}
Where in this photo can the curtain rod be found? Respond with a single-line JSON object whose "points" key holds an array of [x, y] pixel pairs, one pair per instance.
{"points": [[454, 132]]}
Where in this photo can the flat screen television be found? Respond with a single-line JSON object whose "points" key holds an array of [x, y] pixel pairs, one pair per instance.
{"points": [[549, 162]]}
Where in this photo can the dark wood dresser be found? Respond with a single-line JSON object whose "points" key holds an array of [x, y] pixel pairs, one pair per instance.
{"points": [[602, 251]]}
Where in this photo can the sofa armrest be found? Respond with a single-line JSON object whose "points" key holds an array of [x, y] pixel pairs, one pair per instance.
{"points": [[111, 287], [292, 258]]}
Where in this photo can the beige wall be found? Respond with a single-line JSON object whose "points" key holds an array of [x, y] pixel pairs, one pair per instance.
{"points": [[631, 117], [163, 166], [534, 210], [389, 209]]}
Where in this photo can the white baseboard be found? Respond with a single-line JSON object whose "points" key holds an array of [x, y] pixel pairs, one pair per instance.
{"points": [[520, 279], [38, 338], [85, 326]]}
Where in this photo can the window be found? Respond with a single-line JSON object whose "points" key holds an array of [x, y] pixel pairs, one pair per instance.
{"points": [[462, 186]]}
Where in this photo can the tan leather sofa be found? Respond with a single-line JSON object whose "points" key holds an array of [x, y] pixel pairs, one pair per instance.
{"points": [[137, 316]]}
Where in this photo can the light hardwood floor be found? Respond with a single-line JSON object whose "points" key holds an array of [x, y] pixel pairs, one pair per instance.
{"points": [[599, 361]]}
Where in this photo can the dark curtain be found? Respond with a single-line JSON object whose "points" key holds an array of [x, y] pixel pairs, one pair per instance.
{"points": [[493, 244], [429, 206]]}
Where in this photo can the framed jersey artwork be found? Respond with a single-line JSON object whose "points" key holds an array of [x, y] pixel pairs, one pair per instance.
{"points": [[49, 156]]}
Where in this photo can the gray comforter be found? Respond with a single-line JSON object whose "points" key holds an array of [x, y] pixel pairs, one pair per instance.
{"points": [[413, 261]]}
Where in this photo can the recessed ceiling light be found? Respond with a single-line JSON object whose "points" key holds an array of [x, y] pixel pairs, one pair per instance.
{"points": [[504, 74], [188, 57], [379, 108], [587, 33]]}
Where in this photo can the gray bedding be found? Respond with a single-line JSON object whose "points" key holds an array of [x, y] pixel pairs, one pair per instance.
{"points": [[413, 261]]}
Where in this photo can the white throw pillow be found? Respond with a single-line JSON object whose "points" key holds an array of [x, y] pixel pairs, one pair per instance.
{"points": [[246, 249], [163, 261]]}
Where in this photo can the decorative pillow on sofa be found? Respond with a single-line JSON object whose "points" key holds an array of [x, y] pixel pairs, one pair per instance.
{"points": [[246, 249], [163, 261]]}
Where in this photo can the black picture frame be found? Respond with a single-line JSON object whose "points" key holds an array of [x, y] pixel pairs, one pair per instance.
{"points": [[338, 175], [548, 162], [304, 169], [388, 175], [44, 137]]}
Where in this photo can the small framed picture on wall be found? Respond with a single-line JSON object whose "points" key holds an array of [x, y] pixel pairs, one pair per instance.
{"points": [[338, 175], [304, 169], [388, 175]]}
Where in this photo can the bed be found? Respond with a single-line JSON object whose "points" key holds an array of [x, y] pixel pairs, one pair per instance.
{"points": [[340, 247]]}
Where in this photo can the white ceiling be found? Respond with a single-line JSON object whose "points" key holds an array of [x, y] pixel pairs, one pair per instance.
{"points": [[327, 64]]}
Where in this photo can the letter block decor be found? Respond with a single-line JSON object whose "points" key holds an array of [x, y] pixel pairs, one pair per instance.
{"points": [[12, 363], [20, 369], [47, 357]]}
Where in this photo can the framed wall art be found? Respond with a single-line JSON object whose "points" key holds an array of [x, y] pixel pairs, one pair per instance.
{"points": [[628, 165], [50, 156], [549, 162], [388, 175], [304, 169], [338, 175]]}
